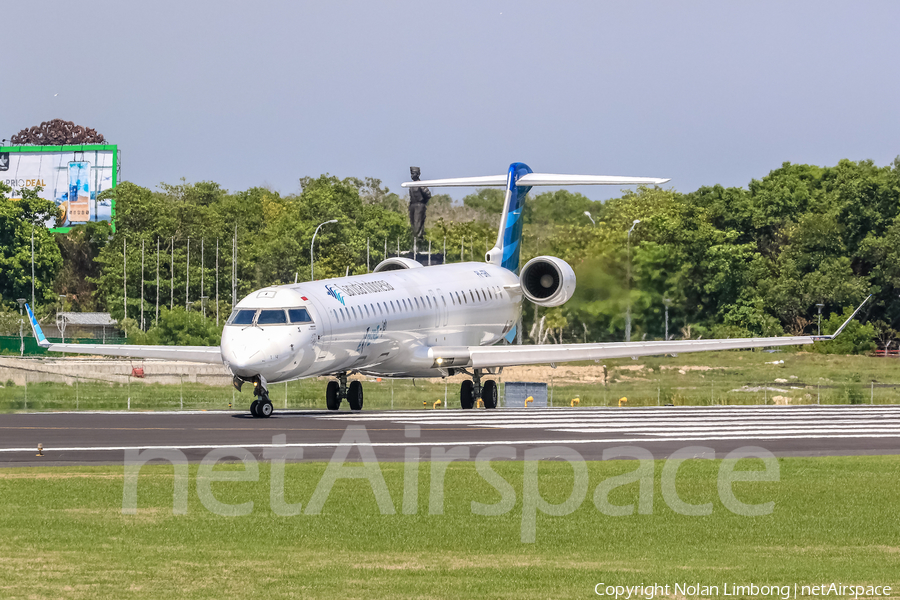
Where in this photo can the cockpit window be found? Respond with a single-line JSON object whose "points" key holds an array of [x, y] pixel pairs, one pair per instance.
{"points": [[299, 315], [242, 317], [271, 317]]}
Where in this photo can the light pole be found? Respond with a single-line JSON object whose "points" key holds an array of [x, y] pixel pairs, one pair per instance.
{"points": [[820, 317], [667, 301], [21, 302], [587, 213], [312, 272], [61, 319], [628, 306]]}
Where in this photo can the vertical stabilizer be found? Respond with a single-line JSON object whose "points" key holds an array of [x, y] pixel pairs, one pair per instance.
{"points": [[509, 238]]}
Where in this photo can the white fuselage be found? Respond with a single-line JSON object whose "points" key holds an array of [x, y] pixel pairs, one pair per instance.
{"points": [[383, 323]]}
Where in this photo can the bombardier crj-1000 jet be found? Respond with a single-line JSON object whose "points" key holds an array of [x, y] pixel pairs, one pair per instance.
{"points": [[408, 320]]}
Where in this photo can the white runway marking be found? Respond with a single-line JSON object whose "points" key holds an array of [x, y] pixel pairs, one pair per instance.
{"points": [[667, 423], [405, 444]]}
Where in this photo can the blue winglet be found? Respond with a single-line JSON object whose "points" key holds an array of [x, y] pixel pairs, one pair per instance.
{"points": [[38, 334]]}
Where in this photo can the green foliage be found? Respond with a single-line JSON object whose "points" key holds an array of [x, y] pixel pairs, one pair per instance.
{"points": [[728, 261], [18, 218], [176, 327], [487, 200]]}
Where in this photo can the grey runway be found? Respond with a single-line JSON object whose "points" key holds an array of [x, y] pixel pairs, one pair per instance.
{"points": [[103, 437]]}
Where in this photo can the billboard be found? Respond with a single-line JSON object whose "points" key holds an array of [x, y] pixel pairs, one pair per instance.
{"points": [[70, 176]]}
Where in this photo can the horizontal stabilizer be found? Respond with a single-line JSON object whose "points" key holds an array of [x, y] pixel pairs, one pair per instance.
{"points": [[534, 179], [487, 181]]}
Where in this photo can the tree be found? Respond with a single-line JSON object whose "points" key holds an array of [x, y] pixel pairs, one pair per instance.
{"points": [[18, 219]]}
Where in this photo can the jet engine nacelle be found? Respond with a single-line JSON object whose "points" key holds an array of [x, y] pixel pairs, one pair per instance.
{"points": [[397, 263], [547, 281]]}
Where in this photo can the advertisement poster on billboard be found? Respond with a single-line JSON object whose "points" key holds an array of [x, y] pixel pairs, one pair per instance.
{"points": [[71, 176]]}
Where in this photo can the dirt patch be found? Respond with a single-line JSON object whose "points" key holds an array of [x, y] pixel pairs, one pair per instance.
{"points": [[687, 368]]}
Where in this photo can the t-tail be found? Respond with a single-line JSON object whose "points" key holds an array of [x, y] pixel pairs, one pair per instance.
{"points": [[518, 181]]}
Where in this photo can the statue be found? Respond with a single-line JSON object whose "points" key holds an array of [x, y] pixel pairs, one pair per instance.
{"points": [[418, 201]]}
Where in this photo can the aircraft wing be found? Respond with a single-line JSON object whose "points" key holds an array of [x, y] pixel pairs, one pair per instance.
{"points": [[480, 357], [508, 356], [202, 354]]}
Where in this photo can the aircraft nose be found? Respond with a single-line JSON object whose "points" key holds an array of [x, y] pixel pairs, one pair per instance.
{"points": [[244, 359], [252, 352]]}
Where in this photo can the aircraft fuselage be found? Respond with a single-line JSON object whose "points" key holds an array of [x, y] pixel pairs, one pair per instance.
{"points": [[382, 324]]}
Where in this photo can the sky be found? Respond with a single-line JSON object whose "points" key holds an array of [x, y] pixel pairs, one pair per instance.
{"points": [[262, 93]]}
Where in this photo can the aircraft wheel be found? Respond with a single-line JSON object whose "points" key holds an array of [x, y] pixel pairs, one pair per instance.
{"points": [[489, 393], [355, 395], [466, 397], [264, 409], [332, 398], [253, 407]]}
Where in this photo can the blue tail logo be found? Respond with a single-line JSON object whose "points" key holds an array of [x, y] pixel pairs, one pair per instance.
{"points": [[509, 238]]}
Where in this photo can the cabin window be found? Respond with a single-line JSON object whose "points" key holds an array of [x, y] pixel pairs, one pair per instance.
{"points": [[429, 301], [444, 300], [271, 317], [353, 309], [417, 302], [471, 295], [393, 308], [490, 295], [367, 310], [299, 315], [242, 317]]}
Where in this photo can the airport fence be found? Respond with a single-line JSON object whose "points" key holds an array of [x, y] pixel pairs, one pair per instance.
{"points": [[30, 391]]}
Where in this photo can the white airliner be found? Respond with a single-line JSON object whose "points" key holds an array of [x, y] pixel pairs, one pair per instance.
{"points": [[407, 320]]}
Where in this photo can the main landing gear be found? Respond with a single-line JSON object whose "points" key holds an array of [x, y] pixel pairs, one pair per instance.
{"points": [[471, 391], [337, 390]]}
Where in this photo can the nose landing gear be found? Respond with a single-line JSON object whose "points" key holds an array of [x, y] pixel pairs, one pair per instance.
{"points": [[262, 406], [338, 390]]}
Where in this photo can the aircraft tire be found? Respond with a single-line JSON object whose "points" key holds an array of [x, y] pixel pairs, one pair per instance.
{"points": [[264, 409], [355, 395], [489, 393], [332, 398], [466, 397], [253, 406]]}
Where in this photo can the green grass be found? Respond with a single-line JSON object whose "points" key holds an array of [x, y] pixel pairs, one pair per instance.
{"points": [[810, 378], [63, 535]]}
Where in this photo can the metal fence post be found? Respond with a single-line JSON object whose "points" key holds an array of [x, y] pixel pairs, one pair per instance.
{"points": [[872, 396], [76, 392], [551, 385], [182, 391]]}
